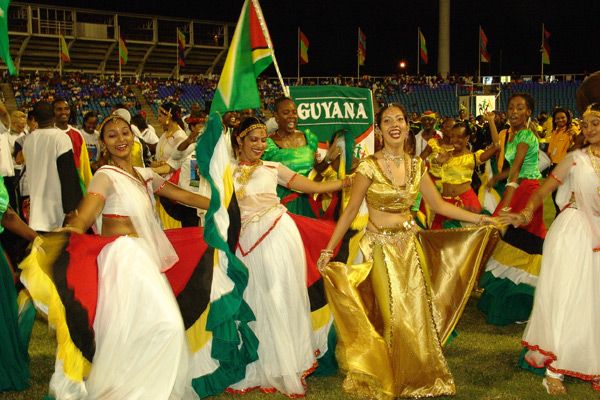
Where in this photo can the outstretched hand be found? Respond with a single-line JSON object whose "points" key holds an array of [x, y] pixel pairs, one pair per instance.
{"points": [[323, 260]]}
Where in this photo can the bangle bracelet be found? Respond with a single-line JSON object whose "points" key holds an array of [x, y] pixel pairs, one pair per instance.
{"points": [[327, 251], [514, 185], [527, 215]]}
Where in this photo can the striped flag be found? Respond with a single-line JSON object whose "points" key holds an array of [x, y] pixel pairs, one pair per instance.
{"points": [[423, 48], [180, 48], [484, 56], [4, 43], [64, 50], [545, 46], [303, 47], [122, 52], [362, 47]]}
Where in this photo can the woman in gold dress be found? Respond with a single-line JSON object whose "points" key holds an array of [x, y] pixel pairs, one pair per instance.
{"points": [[390, 318]]}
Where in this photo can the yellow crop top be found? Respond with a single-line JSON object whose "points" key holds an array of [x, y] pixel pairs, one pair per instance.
{"points": [[383, 195], [435, 168], [458, 170]]}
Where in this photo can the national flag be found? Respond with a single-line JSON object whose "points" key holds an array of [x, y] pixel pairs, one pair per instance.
{"points": [[4, 43], [303, 47], [484, 56], [423, 48], [234, 344], [362, 47], [249, 54], [122, 52], [64, 50], [545, 47], [180, 48]]}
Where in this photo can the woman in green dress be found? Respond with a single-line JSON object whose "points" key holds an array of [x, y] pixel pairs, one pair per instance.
{"points": [[296, 150], [15, 327]]}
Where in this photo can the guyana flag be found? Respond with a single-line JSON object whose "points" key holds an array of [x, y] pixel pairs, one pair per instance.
{"points": [[123, 54], [249, 54], [4, 43], [64, 50]]}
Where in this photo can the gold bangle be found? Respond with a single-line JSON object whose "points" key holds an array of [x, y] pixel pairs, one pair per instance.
{"points": [[527, 215]]}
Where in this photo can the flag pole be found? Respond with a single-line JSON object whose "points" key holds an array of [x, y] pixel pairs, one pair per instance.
{"points": [[358, 55], [542, 50], [479, 56], [261, 18], [59, 51], [119, 52], [177, 53], [418, 50], [298, 56]]}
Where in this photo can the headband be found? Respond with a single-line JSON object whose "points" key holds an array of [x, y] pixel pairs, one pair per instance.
{"points": [[251, 128], [110, 118], [590, 112]]}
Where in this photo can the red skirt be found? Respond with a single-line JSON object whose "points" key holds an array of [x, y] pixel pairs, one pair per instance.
{"points": [[467, 200], [518, 202]]}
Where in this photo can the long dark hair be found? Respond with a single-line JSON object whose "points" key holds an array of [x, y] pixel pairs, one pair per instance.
{"points": [[410, 143], [561, 110]]}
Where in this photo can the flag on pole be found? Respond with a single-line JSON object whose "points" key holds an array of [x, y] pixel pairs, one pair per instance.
{"points": [[181, 48], [423, 48], [4, 43], [122, 52], [249, 54], [545, 47], [303, 46], [64, 50], [362, 47], [484, 56]]}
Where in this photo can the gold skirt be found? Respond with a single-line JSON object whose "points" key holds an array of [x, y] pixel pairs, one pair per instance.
{"points": [[393, 312]]}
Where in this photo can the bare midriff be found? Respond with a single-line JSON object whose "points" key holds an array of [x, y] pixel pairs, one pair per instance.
{"points": [[379, 220], [453, 190], [117, 226]]}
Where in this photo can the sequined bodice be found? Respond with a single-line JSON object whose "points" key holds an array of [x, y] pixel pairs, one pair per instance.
{"points": [[382, 195]]}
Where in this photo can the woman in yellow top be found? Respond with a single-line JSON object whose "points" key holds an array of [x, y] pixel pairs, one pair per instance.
{"points": [[389, 323], [562, 137], [457, 170]]}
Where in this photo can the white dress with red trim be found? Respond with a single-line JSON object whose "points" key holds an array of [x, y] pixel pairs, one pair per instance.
{"points": [[563, 333], [272, 248]]}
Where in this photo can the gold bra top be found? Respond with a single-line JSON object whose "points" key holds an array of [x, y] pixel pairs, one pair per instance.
{"points": [[382, 195]]}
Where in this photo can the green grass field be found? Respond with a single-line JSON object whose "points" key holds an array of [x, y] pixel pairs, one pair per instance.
{"points": [[483, 359]]}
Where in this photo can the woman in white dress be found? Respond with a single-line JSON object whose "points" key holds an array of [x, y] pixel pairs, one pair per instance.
{"points": [[140, 345], [563, 332], [271, 247]]}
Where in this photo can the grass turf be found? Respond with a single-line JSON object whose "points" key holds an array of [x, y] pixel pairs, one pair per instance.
{"points": [[482, 359]]}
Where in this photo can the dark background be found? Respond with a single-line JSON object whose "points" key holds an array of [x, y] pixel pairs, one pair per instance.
{"points": [[513, 28]]}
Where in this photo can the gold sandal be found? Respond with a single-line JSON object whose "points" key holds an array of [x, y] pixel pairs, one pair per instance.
{"points": [[554, 386]]}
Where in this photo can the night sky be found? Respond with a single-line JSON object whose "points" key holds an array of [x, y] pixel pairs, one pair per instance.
{"points": [[513, 28]]}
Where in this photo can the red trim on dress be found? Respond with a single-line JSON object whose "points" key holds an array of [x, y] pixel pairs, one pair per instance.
{"points": [[114, 216], [551, 358], [162, 185], [274, 390], [260, 239]]}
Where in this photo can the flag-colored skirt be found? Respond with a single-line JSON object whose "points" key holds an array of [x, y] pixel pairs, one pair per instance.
{"points": [[16, 322], [467, 200], [511, 274], [397, 302]]}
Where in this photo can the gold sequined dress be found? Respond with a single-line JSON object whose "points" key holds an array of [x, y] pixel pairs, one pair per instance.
{"points": [[393, 312]]}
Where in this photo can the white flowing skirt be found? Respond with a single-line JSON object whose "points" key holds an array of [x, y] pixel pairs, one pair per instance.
{"points": [[141, 350], [278, 297], [564, 326]]}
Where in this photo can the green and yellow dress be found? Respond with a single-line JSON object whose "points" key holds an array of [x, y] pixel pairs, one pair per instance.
{"points": [[15, 327], [300, 160]]}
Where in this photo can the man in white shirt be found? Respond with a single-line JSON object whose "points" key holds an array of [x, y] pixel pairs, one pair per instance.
{"points": [[428, 119], [53, 182], [92, 138]]}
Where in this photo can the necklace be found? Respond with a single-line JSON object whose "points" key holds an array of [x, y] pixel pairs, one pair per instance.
{"points": [[594, 161], [243, 172], [388, 158]]}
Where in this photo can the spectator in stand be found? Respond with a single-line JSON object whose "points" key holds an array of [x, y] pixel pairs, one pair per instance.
{"points": [[53, 180], [92, 137], [62, 114]]}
